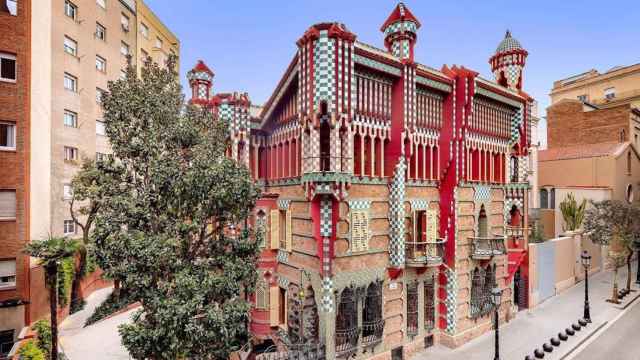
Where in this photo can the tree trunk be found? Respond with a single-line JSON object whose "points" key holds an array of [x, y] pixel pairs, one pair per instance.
{"points": [[116, 289], [52, 274], [629, 270], [80, 272], [614, 296]]}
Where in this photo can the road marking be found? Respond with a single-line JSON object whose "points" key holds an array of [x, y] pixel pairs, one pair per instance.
{"points": [[591, 338]]}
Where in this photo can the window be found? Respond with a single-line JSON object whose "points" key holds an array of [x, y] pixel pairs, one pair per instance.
{"points": [[143, 54], [7, 274], [544, 199], [158, 43], [69, 227], [429, 303], [101, 156], [285, 230], [100, 130], [7, 136], [67, 191], [70, 119], [70, 82], [12, 7], [144, 30], [123, 74], [372, 321], [552, 199], [610, 93], [582, 98], [483, 280], [282, 307], [99, 95], [70, 153], [629, 194], [412, 308], [7, 204], [102, 3], [347, 331], [124, 21], [629, 162], [101, 32], [101, 64], [359, 230], [6, 342], [70, 9], [124, 48], [483, 226], [8, 68], [70, 46]]}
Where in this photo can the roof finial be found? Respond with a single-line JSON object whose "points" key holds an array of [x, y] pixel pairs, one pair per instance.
{"points": [[507, 34]]}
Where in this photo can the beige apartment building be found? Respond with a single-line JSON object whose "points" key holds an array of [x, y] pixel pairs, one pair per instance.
{"points": [[618, 85], [86, 44]]}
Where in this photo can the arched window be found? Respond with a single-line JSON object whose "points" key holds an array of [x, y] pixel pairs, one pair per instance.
{"points": [[629, 194], [347, 331], [552, 199], [262, 294], [629, 162], [372, 322], [325, 139], [483, 226], [412, 308], [429, 303], [261, 226], [514, 169], [477, 286], [516, 217], [544, 199], [489, 284]]}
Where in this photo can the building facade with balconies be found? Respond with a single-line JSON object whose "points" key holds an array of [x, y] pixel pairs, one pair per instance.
{"points": [[394, 194]]}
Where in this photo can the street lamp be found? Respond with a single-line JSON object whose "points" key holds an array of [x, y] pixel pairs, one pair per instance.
{"points": [[496, 296], [586, 263]]}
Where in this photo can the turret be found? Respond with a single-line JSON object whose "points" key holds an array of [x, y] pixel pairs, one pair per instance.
{"points": [[508, 62], [400, 31], [201, 80]]}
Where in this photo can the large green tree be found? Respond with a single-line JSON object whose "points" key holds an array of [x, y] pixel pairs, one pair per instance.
{"points": [[167, 233], [51, 252]]}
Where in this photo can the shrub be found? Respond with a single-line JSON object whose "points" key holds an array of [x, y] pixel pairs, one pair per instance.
{"points": [[31, 351], [572, 213], [66, 272], [43, 329]]}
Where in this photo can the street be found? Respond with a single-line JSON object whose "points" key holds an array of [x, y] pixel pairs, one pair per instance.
{"points": [[619, 341]]}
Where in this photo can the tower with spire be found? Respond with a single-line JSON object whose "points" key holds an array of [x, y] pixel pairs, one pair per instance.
{"points": [[201, 81], [508, 62], [400, 32]]}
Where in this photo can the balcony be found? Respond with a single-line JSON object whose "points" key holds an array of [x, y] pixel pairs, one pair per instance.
{"points": [[347, 341], [372, 332], [484, 248], [425, 253]]}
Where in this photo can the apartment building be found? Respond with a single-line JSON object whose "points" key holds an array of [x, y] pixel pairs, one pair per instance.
{"points": [[56, 61], [154, 39], [14, 168]]}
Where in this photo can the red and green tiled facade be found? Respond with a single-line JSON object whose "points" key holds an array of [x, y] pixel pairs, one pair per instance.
{"points": [[394, 194]]}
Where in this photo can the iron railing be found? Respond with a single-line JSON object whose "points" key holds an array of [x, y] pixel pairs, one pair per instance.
{"points": [[424, 253], [296, 352], [372, 332], [347, 341], [484, 248], [412, 309]]}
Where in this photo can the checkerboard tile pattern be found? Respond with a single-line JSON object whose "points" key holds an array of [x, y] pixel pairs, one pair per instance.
{"points": [[419, 204], [325, 217], [450, 301], [396, 215], [324, 70], [284, 204], [516, 121], [482, 193], [283, 282], [327, 295], [359, 204], [282, 257]]}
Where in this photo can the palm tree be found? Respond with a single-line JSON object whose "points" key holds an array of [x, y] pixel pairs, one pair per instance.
{"points": [[51, 251]]}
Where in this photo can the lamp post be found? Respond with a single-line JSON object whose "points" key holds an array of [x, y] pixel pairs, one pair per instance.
{"points": [[586, 263], [496, 297]]}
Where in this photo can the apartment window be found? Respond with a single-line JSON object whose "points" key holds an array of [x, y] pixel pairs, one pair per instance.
{"points": [[99, 95], [70, 82], [70, 9], [7, 136], [101, 32], [144, 30], [159, 43], [70, 153], [67, 191], [629, 162], [101, 156], [69, 227], [100, 130], [610, 93], [124, 48], [143, 54], [70, 119], [7, 204], [8, 68], [6, 342], [101, 64], [7, 274], [12, 6], [124, 21], [123, 75], [70, 46], [102, 3], [582, 98]]}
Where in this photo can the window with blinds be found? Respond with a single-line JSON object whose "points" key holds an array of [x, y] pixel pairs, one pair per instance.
{"points": [[359, 230], [7, 274], [7, 204]]}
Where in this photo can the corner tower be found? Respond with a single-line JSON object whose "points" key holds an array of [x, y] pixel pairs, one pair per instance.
{"points": [[400, 32], [508, 62], [201, 80]]}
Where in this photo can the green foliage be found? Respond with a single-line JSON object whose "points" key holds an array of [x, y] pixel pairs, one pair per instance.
{"points": [[160, 230], [112, 304], [572, 213], [66, 273], [31, 351], [537, 233], [611, 219], [50, 252], [43, 330]]}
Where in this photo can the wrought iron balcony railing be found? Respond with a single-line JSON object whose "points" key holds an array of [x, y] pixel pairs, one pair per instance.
{"points": [[484, 248], [347, 341], [310, 351], [372, 332], [424, 253]]}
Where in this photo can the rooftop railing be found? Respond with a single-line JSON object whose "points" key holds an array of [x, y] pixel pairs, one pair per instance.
{"points": [[424, 253]]}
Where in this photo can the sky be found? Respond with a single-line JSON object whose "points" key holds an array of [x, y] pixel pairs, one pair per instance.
{"points": [[248, 44]]}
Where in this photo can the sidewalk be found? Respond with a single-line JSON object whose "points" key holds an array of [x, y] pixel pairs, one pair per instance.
{"points": [[531, 329], [99, 341]]}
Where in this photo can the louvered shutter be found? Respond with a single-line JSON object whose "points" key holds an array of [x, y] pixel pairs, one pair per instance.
{"points": [[7, 204], [274, 305], [275, 229], [289, 239]]}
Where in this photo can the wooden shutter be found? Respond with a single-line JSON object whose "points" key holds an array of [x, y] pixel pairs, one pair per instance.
{"points": [[7, 204], [288, 229], [275, 229], [432, 225], [274, 305], [359, 230]]}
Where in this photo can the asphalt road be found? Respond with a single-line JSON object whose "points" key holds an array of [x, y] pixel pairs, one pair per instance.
{"points": [[618, 342]]}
